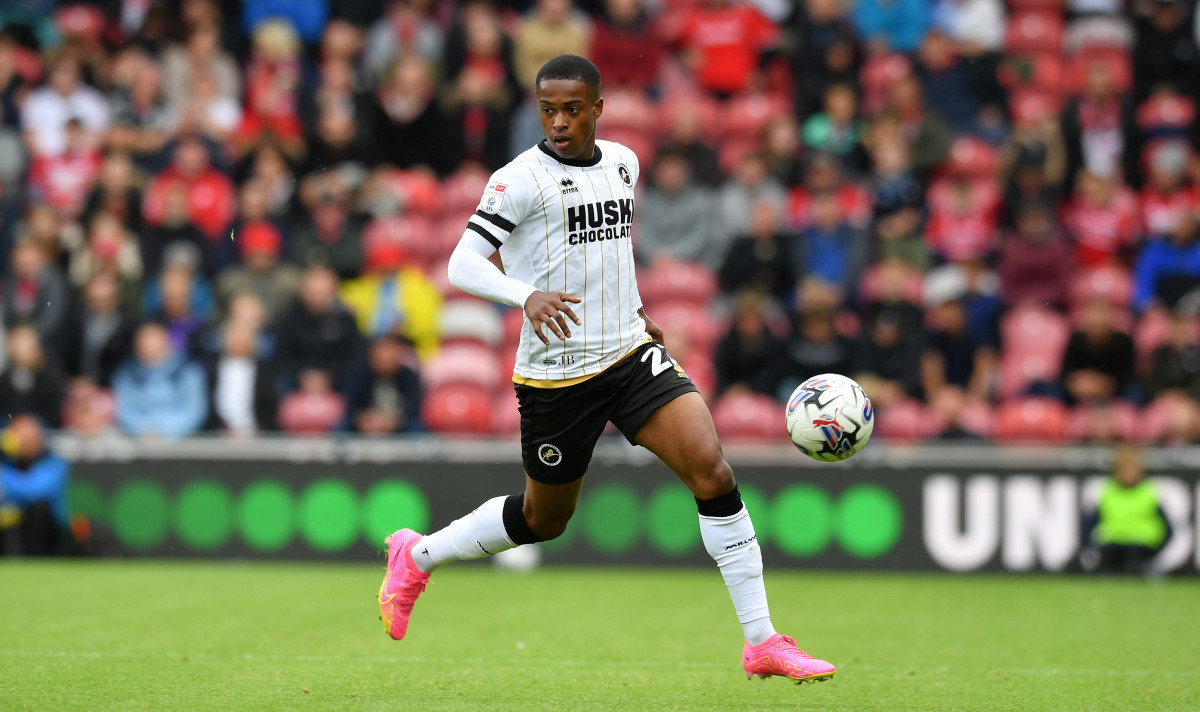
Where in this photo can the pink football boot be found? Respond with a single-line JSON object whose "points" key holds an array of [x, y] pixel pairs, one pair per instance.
{"points": [[778, 655], [402, 583]]}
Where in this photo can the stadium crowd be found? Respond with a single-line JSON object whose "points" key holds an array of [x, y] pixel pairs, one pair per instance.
{"points": [[235, 216]]}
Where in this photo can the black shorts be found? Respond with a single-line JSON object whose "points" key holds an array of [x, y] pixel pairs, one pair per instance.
{"points": [[560, 426]]}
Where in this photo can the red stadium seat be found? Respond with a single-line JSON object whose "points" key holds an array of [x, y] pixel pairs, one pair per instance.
{"points": [[311, 413], [677, 281], [627, 109], [1041, 5], [978, 418], [1116, 62], [458, 409], [906, 280], [461, 191], [514, 321], [1032, 106], [409, 233], [471, 321], [708, 112], [1035, 31], [1034, 340], [693, 320], [748, 417], [1112, 283], [877, 75], [418, 191], [639, 141], [506, 418], [1170, 419], [467, 364], [1166, 111], [1122, 318], [746, 116], [1031, 420], [1104, 423], [1041, 72], [972, 158], [1151, 332], [906, 421]]}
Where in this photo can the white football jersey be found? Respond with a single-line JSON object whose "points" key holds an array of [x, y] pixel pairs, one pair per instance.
{"points": [[564, 226]]}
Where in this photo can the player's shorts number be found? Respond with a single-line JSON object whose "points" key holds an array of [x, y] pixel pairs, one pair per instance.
{"points": [[656, 354]]}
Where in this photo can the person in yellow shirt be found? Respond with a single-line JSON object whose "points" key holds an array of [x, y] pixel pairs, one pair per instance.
{"points": [[395, 297], [1128, 527]]}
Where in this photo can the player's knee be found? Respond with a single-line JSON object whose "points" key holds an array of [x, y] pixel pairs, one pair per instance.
{"points": [[713, 478], [548, 525]]}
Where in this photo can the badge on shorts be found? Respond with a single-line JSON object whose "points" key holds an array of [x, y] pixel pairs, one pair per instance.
{"points": [[549, 455], [493, 197], [625, 174]]}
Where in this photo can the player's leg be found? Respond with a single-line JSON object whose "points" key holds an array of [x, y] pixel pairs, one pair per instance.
{"points": [[681, 433]]}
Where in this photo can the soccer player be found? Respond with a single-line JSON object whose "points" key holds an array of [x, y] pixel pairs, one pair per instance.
{"points": [[560, 215]]}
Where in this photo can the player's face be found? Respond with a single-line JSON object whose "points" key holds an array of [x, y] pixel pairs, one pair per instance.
{"points": [[569, 112]]}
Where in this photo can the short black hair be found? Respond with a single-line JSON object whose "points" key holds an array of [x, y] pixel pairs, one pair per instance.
{"points": [[570, 67]]}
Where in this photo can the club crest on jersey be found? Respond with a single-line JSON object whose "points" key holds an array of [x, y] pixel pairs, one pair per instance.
{"points": [[625, 176], [493, 197], [568, 186], [549, 455]]}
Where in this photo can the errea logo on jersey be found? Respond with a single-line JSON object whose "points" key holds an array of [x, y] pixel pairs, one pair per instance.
{"points": [[493, 197], [568, 186]]}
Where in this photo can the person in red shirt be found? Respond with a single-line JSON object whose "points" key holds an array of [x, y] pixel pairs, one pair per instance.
{"points": [[963, 224], [625, 45], [1103, 217], [722, 41], [210, 194], [62, 181], [1167, 195], [854, 203]]}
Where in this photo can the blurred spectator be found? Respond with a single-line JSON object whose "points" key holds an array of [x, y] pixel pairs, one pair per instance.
{"points": [[387, 399], [210, 194], [626, 46], [962, 225], [48, 110], [954, 357], [889, 357], [318, 332], [30, 383], [722, 43], [1099, 128], [116, 193], [684, 135], [675, 218], [61, 181], [1035, 262], [35, 293], [893, 180], [1103, 219], [314, 407], [185, 307], [159, 391], [89, 410], [977, 287], [33, 484], [782, 151], [746, 356], [306, 19], [1165, 47], [477, 122], [261, 272], [762, 259], [329, 233], [898, 237], [976, 27], [823, 174], [1128, 527], [200, 55], [479, 41], [922, 128], [814, 347], [1168, 266], [1175, 365], [243, 395], [551, 28], [829, 52], [46, 229], [948, 83], [1167, 196], [412, 125], [174, 229], [1099, 361], [271, 112], [109, 249], [208, 112], [1035, 161], [142, 121], [393, 296], [737, 201], [99, 333], [269, 169], [836, 129], [828, 248], [340, 123], [891, 25], [405, 29]]}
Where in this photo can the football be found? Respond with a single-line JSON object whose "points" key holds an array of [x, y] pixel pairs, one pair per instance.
{"points": [[829, 417]]}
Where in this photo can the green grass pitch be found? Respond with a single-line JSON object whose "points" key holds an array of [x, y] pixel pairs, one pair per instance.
{"points": [[248, 636]]}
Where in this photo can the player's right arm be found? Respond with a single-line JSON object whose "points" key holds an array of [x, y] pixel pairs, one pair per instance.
{"points": [[471, 269]]}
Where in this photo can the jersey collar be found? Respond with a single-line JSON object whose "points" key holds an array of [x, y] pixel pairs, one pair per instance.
{"points": [[580, 162]]}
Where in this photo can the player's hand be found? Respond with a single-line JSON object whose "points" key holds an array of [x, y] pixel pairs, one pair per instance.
{"points": [[549, 308], [652, 329]]}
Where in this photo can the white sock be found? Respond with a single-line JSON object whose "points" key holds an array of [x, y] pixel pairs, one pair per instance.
{"points": [[481, 533], [733, 545]]}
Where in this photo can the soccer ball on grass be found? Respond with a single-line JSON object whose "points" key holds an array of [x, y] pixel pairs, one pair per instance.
{"points": [[829, 417]]}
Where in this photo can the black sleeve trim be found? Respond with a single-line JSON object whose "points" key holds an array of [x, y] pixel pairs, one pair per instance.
{"points": [[486, 235], [497, 221]]}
